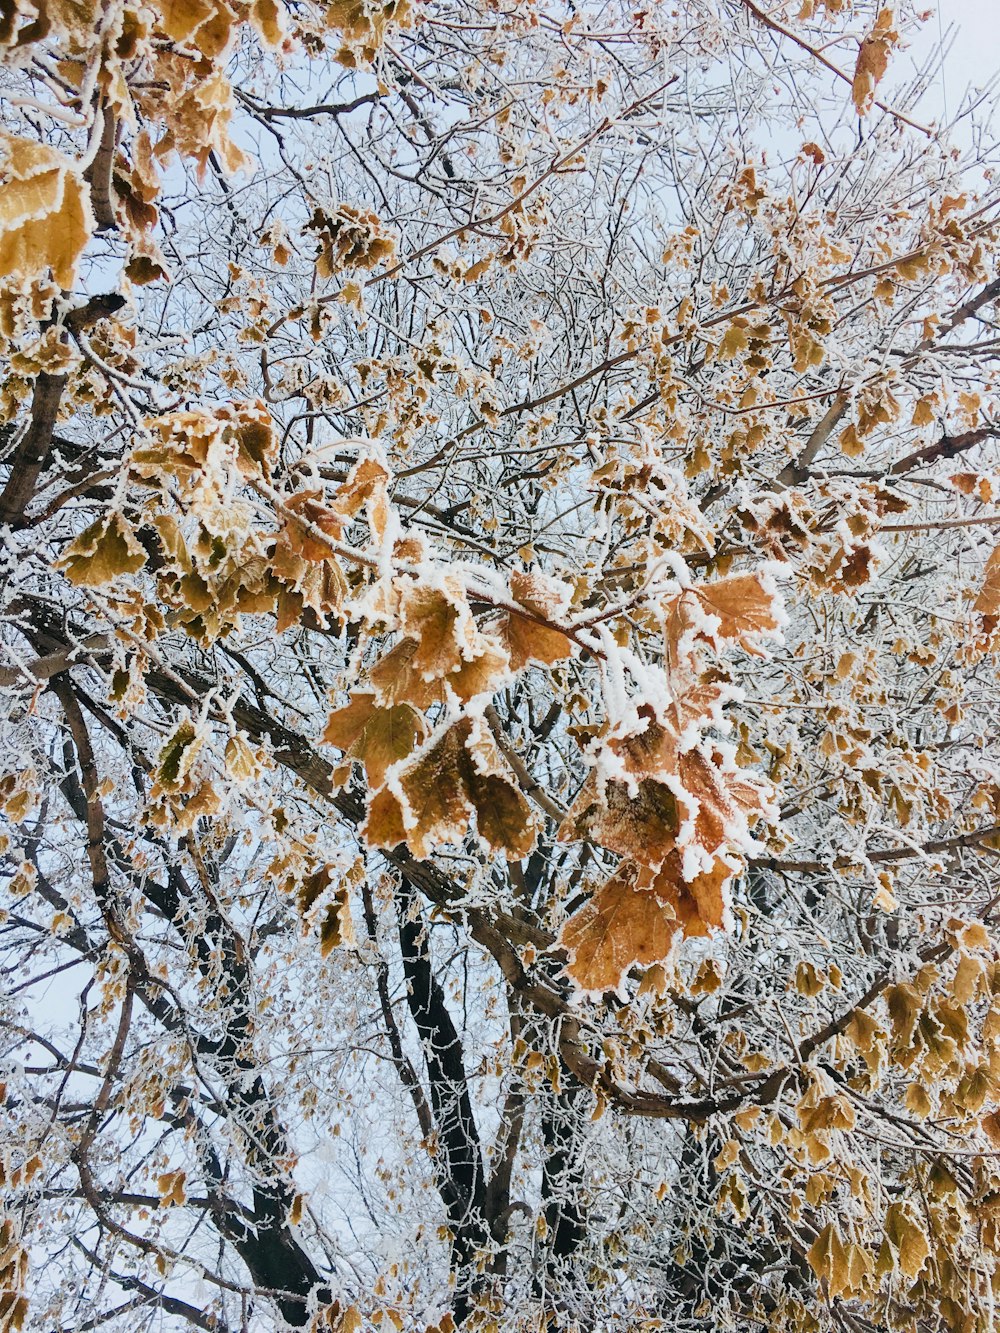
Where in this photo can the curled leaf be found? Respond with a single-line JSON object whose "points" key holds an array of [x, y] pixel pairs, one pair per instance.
{"points": [[102, 553], [45, 215]]}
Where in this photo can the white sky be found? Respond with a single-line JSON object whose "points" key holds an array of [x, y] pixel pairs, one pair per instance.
{"points": [[974, 55]]}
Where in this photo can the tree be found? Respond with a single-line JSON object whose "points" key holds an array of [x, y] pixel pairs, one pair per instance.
{"points": [[499, 642]]}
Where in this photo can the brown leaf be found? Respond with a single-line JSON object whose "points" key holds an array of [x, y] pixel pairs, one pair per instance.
{"points": [[267, 17], [384, 826], [698, 905], [988, 601], [482, 674], [745, 607], [366, 484], [619, 927], [991, 1124], [528, 640], [439, 791], [307, 541], [172, 1189], [441, 646], [841, 1264], [650, 753], [397, 679], [873, 61], [441, 626], [336, 927], [642, 828], [103, 552], [907, 1238], [376, 737], [705, 785]]}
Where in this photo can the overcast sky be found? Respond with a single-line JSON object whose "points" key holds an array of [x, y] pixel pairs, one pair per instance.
{"points": [[974, 55]]}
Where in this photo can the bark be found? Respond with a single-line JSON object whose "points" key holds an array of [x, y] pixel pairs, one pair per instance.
{"points": [[461, 1179]]}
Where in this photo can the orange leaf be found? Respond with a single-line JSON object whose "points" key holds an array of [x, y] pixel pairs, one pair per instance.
{"points": [[619, 927], [376, 737], [988, 601], [698, 905], [744, 605], [873, 61]]}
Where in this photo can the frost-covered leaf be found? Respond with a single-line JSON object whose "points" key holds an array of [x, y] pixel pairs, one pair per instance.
{"points": [[45, 214], [103, 552]]}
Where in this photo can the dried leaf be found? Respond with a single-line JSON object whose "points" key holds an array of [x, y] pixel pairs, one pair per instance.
{"points": [[530, 638], [376, 737], [642, 828], [907, 1238], [436, 794], [45, 214], [619, 927], [102, 553], [873, 61], [336, 927], [988, 601], [841, 1264], [172, 1189]]}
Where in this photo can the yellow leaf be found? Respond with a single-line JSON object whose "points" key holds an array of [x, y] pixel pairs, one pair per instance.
{"points": [[103, 552], [171, 1188], [873, 61], [45, 214], [907, 1238]]}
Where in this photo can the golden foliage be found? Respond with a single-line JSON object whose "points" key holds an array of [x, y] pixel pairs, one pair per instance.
{"points": [[873, 60], [45, 214], [103, 552]]}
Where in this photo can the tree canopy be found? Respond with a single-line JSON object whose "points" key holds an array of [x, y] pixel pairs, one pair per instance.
{"points": [[499, 615]]}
